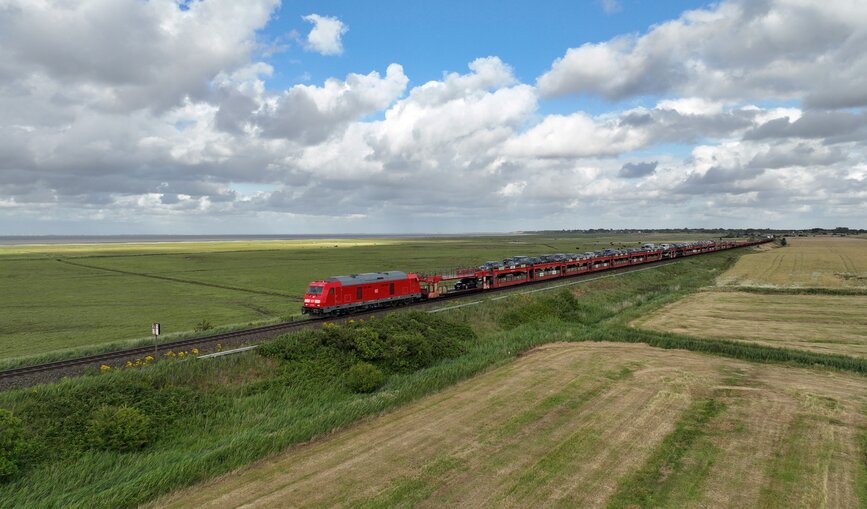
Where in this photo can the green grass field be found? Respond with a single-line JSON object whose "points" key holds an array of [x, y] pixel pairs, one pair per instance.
{"points": [[629, 423], [59, 297]]}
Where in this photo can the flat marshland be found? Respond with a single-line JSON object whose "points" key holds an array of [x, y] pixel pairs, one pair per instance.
{"points": [[810, 294], [543, 399], [58, 297]]}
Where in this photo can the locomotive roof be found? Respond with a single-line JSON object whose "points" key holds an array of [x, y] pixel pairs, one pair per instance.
{"points": [[370, 277]]}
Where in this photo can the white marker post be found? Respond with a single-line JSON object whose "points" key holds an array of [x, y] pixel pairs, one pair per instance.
{"points": [[155, 330]]}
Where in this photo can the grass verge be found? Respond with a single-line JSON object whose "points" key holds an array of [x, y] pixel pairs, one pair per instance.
{"points": [[768, 290], [71, 353]]}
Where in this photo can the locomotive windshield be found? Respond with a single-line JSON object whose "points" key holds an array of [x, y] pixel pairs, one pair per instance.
{"points": [[315, 290]]}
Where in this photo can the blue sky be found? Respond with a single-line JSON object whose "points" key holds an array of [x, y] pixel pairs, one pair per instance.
{"points": [[432, 38], [264, 116]]}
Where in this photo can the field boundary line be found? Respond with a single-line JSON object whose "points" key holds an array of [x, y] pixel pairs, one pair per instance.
{"points": [[770, 290], [179, 280], [735, 349]]}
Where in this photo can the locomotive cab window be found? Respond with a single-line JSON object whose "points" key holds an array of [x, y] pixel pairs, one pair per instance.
{"points": [[315, 290], [358, 293]]}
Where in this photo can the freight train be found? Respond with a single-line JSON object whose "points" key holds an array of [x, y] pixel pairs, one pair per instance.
{"points": [[360, 292]]}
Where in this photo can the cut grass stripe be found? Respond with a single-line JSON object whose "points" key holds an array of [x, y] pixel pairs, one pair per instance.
{"points": [[861, 475], [796, 466], [409, 491], [566, 398], [790, 291], [728, 348], [653, 484]]}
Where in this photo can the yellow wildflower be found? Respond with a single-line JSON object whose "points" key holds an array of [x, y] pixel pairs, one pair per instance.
{"points": [[104, 368], [195, 351]]}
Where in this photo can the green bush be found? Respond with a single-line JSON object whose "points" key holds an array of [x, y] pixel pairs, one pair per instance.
{"points": [[58, 415], [12, 444], [364, 377], [400, 342], [122, 428], [293, 347], [408, 351], [369, 344], [562, 305]]}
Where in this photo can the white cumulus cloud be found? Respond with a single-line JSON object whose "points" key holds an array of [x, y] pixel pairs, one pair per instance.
{"points": [[123, 115], [326, 35], [121, 55], [736, 50]]}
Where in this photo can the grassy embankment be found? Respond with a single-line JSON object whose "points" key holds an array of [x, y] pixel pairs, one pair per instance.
{"points": [[210, 417], [809, 295], [584, 425], [97, 297]]}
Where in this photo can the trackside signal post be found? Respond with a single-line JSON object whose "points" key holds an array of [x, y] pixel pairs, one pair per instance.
{"points": [[155, 330]]}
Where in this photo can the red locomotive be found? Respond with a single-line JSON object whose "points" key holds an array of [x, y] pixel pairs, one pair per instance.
{"points": [[348, 294], [357, 292]]}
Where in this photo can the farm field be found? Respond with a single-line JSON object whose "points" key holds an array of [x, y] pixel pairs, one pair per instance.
{"points": [[586, 425], [821, 323], [782, 297], [811, 262], [49, 305], [71, 296], [211, 416]]}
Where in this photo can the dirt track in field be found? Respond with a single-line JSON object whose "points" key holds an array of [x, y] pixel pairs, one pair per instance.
{"points": [[568, 424]]}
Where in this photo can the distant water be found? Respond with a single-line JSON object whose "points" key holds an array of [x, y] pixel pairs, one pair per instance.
{"points": [[109, 239]]}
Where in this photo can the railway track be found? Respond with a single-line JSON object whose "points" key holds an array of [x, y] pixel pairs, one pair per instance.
{"points": [[40, 373], [49, 371]]}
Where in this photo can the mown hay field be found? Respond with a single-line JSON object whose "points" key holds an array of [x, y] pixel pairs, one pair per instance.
{"points": [[782, 297], [821, 323], [585, 425], [810, 262], [59, 297]]}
